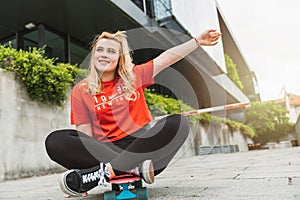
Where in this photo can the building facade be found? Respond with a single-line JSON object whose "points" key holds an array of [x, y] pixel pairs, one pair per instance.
{"points": [[66, 28], [292, 103]]}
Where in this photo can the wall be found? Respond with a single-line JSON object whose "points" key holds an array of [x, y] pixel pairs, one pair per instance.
{"points": [[25, 124], [212, 136]]}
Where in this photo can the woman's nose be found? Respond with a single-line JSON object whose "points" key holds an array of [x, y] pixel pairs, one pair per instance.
{"points": [[103, 54]]}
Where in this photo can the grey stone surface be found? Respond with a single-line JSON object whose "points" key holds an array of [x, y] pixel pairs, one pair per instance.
{"points": [[261, 174]]}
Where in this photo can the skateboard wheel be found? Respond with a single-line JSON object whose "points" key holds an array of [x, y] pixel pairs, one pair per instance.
{"points": [[142, 193], [110, 195], [115, 187], [138, 184]]}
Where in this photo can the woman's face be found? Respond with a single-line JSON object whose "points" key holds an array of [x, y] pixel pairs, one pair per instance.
{"points": [[106, 56]]}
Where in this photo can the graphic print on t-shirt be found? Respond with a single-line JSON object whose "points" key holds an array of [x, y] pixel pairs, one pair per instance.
{"points": [[104, 100]]}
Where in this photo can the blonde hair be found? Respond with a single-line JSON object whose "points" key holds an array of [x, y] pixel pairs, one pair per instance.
{"points": [[123, 70]]}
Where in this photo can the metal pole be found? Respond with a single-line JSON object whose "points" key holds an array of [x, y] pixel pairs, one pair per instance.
{"points": [[41, 35]]}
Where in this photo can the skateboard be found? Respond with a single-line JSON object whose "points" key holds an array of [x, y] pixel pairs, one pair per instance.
{"points": [[126, 187]]}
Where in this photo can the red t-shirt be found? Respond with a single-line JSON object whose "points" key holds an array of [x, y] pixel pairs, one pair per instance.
{"points": [[111, 115]]}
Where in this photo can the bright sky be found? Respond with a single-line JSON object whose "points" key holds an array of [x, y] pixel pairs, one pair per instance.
{"points": [[268, 34]]}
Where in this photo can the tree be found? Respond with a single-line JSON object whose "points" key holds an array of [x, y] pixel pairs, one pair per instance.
{"points": [[269, 120]]}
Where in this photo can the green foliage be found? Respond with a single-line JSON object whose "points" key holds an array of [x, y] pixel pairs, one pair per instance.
{"points": [[247, 130], [205, 118], [160, 105], [44, 81], [233, 125], [269, 120], [232, 72]]}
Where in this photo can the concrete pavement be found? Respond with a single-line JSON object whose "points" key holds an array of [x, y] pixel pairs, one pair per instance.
{"points": [[261, 174]]}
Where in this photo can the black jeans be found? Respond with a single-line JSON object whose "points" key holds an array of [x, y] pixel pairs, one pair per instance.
{"points": [[75, 150]]}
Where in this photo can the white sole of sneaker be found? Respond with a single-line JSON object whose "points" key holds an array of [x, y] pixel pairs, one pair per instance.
{"points": [[65, 188], [148, 171]]}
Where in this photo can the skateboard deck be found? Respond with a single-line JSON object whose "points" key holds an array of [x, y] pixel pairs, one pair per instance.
{"points": [[126, 187]]}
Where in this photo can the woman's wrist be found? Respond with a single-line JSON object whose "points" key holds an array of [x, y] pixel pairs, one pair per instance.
{"points": [[197, 41]]}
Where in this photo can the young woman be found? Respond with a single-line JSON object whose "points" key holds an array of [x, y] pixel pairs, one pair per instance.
{"points": [[114, 130]]}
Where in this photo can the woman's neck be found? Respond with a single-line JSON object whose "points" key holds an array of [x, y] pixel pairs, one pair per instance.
{"points": [[105, 77]]}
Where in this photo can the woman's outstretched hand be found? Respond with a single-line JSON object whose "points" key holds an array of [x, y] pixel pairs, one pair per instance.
{"points": [[209, 37]]}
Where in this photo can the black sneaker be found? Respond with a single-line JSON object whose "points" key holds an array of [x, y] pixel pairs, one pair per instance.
{"points": [[145, 170], [76, 182]]}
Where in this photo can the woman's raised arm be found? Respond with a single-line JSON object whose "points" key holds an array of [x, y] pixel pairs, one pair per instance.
{"points": [[207, 38]]}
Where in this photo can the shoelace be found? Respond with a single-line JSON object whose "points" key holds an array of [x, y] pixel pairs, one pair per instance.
{"points": [[104, 175]]}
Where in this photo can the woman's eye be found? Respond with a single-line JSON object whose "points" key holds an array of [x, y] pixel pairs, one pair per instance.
{"points": [[112, 51]]}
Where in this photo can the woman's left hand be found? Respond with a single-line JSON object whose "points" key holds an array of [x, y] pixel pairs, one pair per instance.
{"points": [[209, 37]]}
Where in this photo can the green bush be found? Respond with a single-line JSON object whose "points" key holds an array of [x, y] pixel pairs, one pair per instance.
{"points": [[232, 72], [247, 130], [44, 81], [160, 105]]}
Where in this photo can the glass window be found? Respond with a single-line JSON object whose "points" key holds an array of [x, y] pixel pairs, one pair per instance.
{"points": [[12, 42], [163, 9], [30, 40], [55, 46], [77, 53], [146, 6], [139, 3]]}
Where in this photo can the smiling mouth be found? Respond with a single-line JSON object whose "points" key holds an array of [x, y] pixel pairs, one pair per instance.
{"points": [[104, 62]]}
